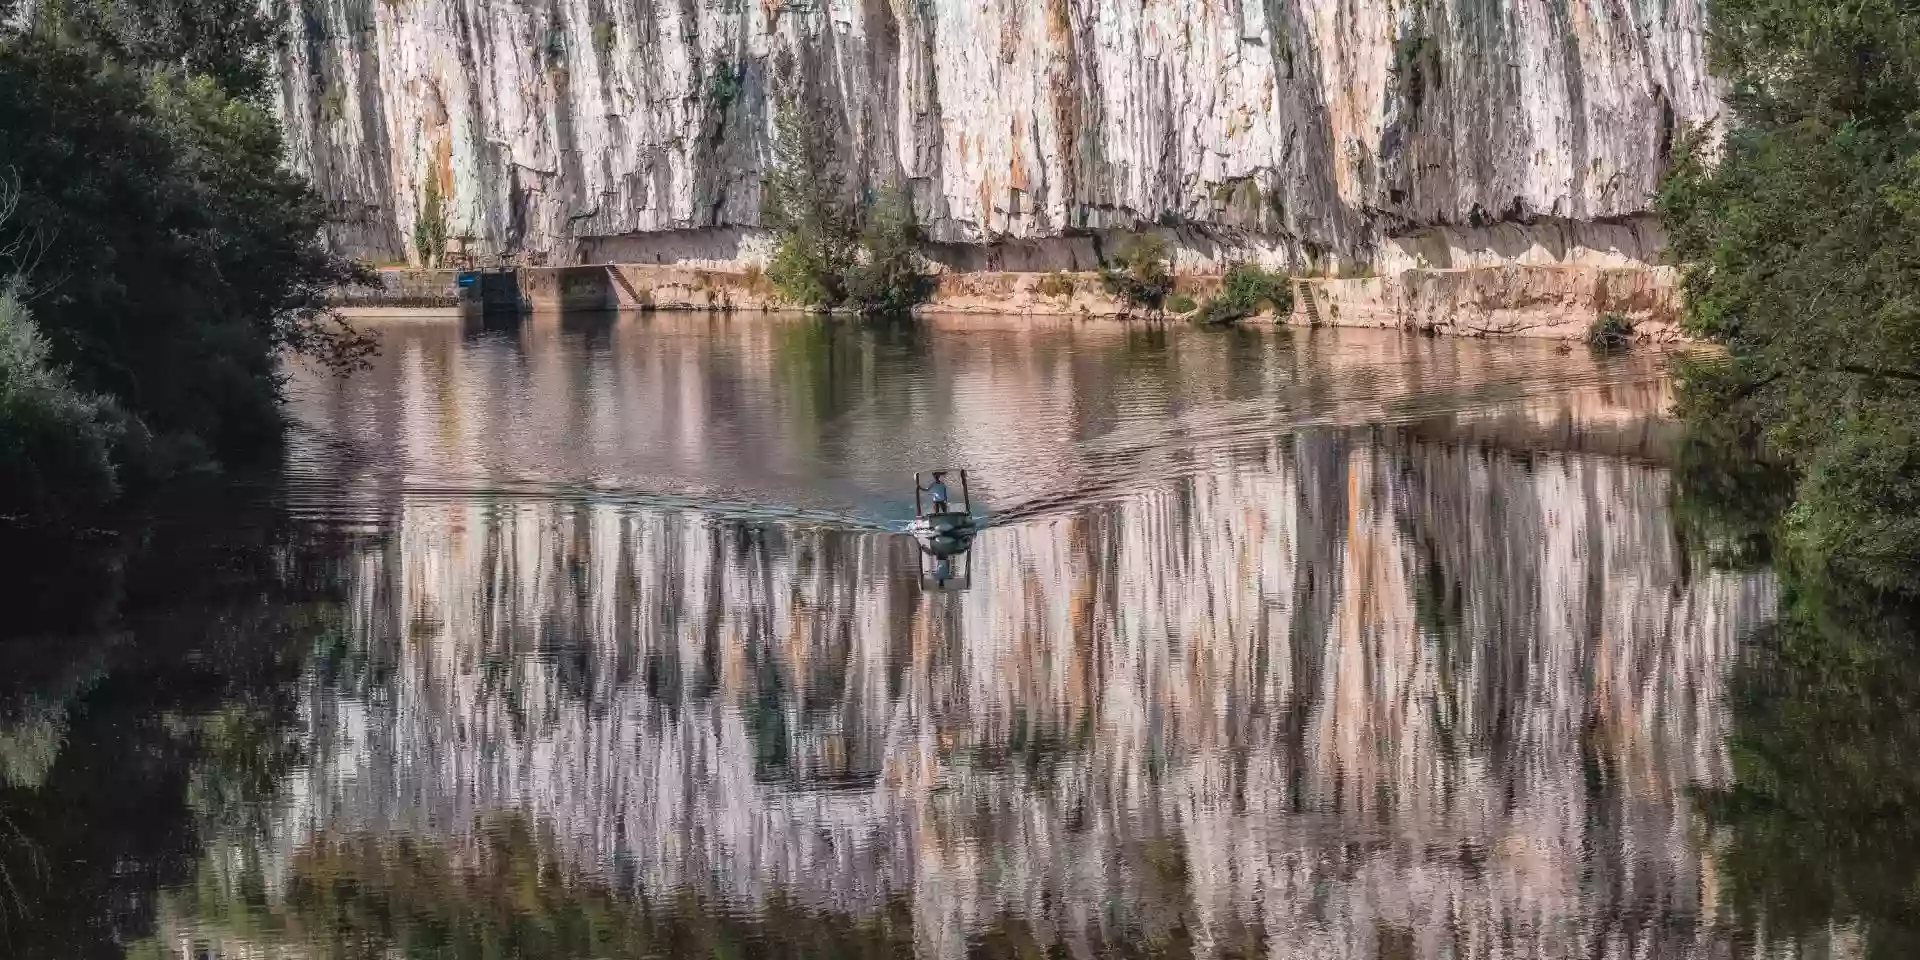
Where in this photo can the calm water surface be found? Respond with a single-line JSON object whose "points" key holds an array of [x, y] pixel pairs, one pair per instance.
{"points": [[600, 638]]}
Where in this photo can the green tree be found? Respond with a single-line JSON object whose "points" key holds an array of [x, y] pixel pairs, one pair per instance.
{"points": [[1142, 275], [890, 277], [430, 224], [177, 261], [832, 251], [1801, 246], [807, 203]]}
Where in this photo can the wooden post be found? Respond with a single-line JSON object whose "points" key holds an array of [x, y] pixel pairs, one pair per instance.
{"points": [[966, 495], [917, 512]]}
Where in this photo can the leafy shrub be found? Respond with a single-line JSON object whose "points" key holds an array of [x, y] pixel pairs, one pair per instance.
{"points": [[1858, 507], [1244, 290], [1056, 284], [1143, 276], [1610, 331], [806, 273], [1180, 303], [891, 276], [56, 444]]}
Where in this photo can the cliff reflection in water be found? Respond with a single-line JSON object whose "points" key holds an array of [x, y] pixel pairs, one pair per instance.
{"points": [[1349, 694]]}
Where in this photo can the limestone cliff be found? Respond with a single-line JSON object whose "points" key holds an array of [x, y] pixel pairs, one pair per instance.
{"points": [[1388, 131]]}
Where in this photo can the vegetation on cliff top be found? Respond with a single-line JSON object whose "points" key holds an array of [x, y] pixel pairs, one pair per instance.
{"points": [[168, 257], [1802, 253]]}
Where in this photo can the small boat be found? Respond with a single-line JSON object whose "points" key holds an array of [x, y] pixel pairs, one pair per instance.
{"points": [[944, 533], [952, 523]]}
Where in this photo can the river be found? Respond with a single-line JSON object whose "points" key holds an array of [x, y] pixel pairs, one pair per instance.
{"points": [[602, 637]]}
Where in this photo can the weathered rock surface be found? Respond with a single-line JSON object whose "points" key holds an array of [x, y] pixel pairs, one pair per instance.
{"points": [[1513, 300], [595, 130]]}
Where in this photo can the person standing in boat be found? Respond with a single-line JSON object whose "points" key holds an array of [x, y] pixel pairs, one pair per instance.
{"points": [[938, 491]]}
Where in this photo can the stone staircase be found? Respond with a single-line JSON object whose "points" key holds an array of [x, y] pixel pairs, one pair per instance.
{"points": [[1309, 308]]}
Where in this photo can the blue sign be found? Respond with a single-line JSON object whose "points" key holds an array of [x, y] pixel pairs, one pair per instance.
{"points": [[466, 279]]}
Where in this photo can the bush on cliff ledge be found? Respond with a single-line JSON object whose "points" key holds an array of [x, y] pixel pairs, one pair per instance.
{"points": [[1142, 275], [1245, 290]]}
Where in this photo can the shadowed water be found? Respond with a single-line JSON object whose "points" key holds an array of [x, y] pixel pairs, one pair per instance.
{"points": [[601, 638]]}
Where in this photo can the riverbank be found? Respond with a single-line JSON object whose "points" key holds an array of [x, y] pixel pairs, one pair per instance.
{"points": [[1517, 300]]}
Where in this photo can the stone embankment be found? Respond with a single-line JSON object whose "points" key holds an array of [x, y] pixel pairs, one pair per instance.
{"points": [[1555, 301]]}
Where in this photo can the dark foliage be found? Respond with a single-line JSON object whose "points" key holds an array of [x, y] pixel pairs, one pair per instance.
{"points": [[56, 443], [175, 261], [148, 706], [227, 41], [1802, 251]]}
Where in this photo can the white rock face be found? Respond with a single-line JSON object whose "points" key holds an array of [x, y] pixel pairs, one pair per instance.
{"points": [[1282, 128]]}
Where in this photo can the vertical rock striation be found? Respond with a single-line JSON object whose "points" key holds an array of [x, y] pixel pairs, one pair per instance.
{"points": [[1384, 131]]}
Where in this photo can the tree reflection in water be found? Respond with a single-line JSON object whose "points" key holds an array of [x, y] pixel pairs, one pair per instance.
{"points": [[149, 702], [1819, 830], [1822, 822]]}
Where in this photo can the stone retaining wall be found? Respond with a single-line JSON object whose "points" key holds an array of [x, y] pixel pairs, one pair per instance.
{"points": [[402, 288], [1509, 301], [1554, 301]]}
